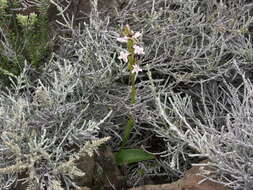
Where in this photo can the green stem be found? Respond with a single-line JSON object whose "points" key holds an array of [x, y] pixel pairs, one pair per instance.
{"points": [[127, 131], [133, 89], [133, 95]]}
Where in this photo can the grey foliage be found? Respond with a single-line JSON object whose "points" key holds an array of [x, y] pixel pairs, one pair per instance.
{"points": [[221, 130], [45, 132], [193, 98]]}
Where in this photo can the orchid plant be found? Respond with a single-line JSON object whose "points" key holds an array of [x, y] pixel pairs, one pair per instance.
{"points": [[130, 56]]}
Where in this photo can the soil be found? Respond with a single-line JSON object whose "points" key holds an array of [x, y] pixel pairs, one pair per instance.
{"points": [[190, 181]]}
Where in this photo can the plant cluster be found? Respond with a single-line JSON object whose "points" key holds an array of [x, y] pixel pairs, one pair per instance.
{"points": [[24, 36]]}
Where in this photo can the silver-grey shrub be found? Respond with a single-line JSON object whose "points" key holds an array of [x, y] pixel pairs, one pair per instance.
{"points": [[43, 129], [218, 126], [185, 42]]}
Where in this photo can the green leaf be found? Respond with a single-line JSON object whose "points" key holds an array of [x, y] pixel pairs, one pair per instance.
{"points": [[128, 156]]}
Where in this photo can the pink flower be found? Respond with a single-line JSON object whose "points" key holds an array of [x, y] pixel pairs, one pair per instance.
{"points": [[136, 69], [138, 50], [137, 35], [123, 55], [123, 39]]}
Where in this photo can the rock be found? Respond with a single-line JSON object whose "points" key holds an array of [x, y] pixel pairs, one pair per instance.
{"points": [[87, 165], [191, 179], [85, 188], [188, 182], [101, 171]]}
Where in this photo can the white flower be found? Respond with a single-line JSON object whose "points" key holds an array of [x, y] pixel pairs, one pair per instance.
{"points": [[123, 55], [138, 50], [137, 35], [136, 69], [123, 39]]}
